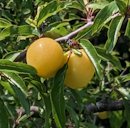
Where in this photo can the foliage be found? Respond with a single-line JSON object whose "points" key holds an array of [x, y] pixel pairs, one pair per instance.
{"points": [[26, 100]]}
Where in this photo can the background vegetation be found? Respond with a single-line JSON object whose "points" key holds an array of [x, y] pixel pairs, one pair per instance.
{"points": [[101, 27]]}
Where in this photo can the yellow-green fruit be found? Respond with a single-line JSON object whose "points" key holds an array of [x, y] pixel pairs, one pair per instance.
{"points": [[103, 115], [46, 56], [80, 70]]}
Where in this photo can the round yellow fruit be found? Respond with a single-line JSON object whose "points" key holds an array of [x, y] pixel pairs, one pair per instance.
{"points": [[103, 115], [46, 56], [80, 70]]}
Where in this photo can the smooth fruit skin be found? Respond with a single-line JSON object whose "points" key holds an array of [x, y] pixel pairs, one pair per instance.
{"points": [[46, 56], [103, 115], [80, 70]]}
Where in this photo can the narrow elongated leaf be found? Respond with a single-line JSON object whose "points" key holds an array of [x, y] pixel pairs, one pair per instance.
{"points": [[127, 31], [104, 16], [47, 111], [31, 22], [16, 80], [4, 23], [122, 5], [77, 96], [127, 111], [124, 92], [116, 118], [125, 78], [11, 30], [16, 67], [25, 30], [81, 2], [97, 5], [92, 54], [91, 125], [56, 25], [4, 120], [85, 33], [7, 86], [57, 98], [22, 98], [74, 116], [113, 33], [77, 5], [49, 10], [19, 89], [46, 102], [109, 57], [11, 55]]}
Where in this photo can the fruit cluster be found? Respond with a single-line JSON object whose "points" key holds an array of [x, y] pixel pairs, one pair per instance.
{"points": [[47, 57]]}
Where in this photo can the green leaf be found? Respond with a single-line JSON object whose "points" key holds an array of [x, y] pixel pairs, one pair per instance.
{"points": [[4, 120], [116, 118], [16, 67], [113, 33], [49, 10], [15, 79], [25, 30], [77, 96], [81, 2], [22, 98], [73, 115], [109, 57], [93, 55], [56, 25], [104, 16], [31, 22], [7, 32], [122, 5], [77, 5], [87, 33], [46, 101], [48, 109], [56, 29], [124, 92], [97, 5], [4, 23], [57, 98], [91, 125], [127, 111], [127, 31], [125, 78], [11, 55], [8, 87]]}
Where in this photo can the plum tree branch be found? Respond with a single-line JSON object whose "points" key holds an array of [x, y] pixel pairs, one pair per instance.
{"points": [[102, 106], [88, 24], [70, 35], [66, 37], [89, 108]]}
